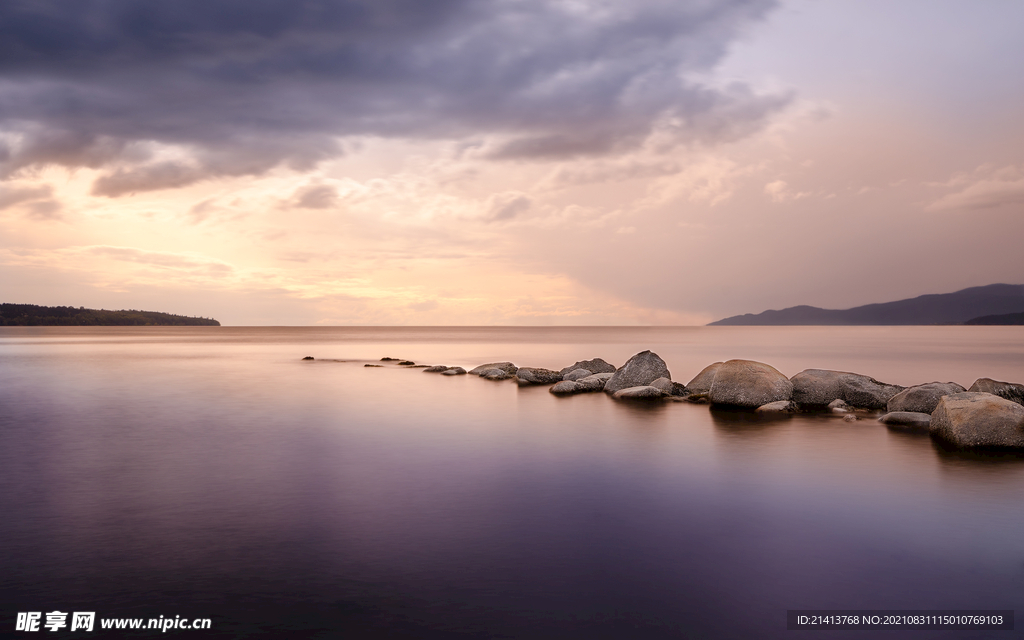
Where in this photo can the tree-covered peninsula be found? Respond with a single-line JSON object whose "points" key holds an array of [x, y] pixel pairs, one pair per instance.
{"points": [[30, 315]]}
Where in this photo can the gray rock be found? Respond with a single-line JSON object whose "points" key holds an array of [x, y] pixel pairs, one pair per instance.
{"points": [[640, 370], [641, 392], [698, 398], [437, 368], [922, 398], [849, 418], [453, 371], [907, 419], [1008, 390], [782, 406], [671, 388], [496, 374], [745, 383], [595, 382], [577, 374], [597, 365], [702, 382], [975, 419], [507, 367], [565, 388], [839, 406], [309, 358], [535, 375], [819, 387]]}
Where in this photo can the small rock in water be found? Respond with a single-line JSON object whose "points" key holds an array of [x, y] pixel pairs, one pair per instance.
{"points": [[643, 392], [309, 358], [507, 367], [597, 365], [781, 406], [564, 388], [671, 388], [907, 419], [577, 374], [819, 387], [535, 375], [453, 371], [923, 398], [406, 362], [388, 359], [437, 368], [849, 418], [839, 406], [373, 365], [595, 382], [496, 374]]}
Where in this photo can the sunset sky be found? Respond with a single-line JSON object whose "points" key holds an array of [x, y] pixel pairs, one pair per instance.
{"points": [[482, 162]]}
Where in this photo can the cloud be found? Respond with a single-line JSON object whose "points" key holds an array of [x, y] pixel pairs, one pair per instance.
{"points": [[315, 196], [160, 259], [37, 201], [986, 188], [508, 205], [241, 87]]}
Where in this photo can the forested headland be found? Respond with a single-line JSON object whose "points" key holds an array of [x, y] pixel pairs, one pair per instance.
{"points": [[30, 315]]}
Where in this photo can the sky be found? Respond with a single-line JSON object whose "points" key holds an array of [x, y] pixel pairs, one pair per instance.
{"points": [[507, 162]]}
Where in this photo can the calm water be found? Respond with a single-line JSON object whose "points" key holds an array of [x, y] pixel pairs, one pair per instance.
{"points": [[208, 472]]}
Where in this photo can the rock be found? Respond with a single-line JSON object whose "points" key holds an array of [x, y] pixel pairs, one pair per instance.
{"points": [[597, 365], [922, 398], [388, 359], [781, 406], [373, 365], [641, 392], [745, 383], [309, 358], [453, 371], [907, 419], [437, 368], [564, 388], [702, 382], [577, 374], [839, 406], [1008, 390], [640, 370], [698, 398], [496, 374], [407, 362], [535, 375], [849, 418], [976, 419], [671, 388], [819, 387], [507, 367], [595, 382]]}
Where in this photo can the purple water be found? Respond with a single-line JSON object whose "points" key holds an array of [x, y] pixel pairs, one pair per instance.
{"points": [[209, 472]]}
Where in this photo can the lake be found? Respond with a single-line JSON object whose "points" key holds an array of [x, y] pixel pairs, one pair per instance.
{"points": [[209, 472]]}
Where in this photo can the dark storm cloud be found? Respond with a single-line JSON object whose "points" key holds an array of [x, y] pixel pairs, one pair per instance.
{"points": [[249, 85]]}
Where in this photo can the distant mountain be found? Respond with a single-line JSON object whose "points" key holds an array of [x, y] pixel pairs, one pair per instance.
{"points": [[30, 315], [1006, 318], [943, 308]]}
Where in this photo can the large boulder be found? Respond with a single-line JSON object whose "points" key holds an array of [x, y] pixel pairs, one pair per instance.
{"points": [[1008, 390], [702, 382], [975, 419], [820, 387], [640, 370], [642, 392], [745, 383], [907, 420], [597, 365], [507, 367], [535, 375], [922, 398]]}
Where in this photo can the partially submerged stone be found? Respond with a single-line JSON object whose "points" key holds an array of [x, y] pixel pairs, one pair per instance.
{"points": [[702, 382], [671, 388], [308, 358], [922, 398], [819, 387], [1009, 390], [496, 374], [595, 382], [643, 392], [437, 368], [407, 362], [907, 419], [640, 370], [977, 419], [535, 375], [781, 406], [507, 367], [577, 374], [453, 371], [597, 365], [839, 406], [745, 383], [565, 388]]}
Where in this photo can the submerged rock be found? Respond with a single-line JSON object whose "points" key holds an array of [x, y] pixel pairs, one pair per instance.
{"points": [[702, 382], [640, 370], [922, 398], [745, 383], [496, 374], [507, 367], [819, 387], [526, 376], [565, 388], [642, 392], [839, 406], [453, 371], [671, 388], [407, 362], [1008, 390], [907, 419], [309, 358], [597, 365], [577, 374], [437, 368], [373, 365], [388, 359], [781, 406], [977, 419]]}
